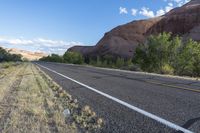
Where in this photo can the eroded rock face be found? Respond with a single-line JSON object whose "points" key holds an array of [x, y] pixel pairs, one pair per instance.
{"points": [[27, 54], [179, 21], [122, 40]]}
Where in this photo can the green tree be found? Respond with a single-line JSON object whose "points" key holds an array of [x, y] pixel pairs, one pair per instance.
{"points": [[154, 54], [173, 50], [98, 62], [56, 58], [188, 59], [119, 62], [105, 63], [140, 57], [73, 57], [52, 58], [108, 61], [15, 57], [165, 54], [129, 63], [6, 56], [196, 59]]}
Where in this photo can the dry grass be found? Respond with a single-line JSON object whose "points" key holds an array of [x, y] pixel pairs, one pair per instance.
{"points": [[83, 117], [30, 105], [32, 102], [8, 74]]}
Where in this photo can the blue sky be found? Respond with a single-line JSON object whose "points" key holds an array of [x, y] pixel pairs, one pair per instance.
{"points": [[55, 25]]}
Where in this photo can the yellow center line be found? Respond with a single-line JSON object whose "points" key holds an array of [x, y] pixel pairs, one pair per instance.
{"points": [[174, 86]]}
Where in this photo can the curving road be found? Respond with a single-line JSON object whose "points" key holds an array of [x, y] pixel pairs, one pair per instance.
{"points": [[172, 100]]}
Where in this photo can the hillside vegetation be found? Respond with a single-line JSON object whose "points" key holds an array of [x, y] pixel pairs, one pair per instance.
{"points": [[161, 53], [6, 56], [169, 55]]}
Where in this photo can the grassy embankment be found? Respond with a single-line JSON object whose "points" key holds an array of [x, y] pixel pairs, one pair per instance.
{"points": [[31, 102]]}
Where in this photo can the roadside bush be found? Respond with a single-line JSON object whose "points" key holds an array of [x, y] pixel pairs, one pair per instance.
{"points": [[168, 55], [15, 57], [167, 69], [108, 61], [134, 67], [99, 62], [73, 57], [119, 62], [53, 58], [92, 62], [154, 54], [6, 56]]}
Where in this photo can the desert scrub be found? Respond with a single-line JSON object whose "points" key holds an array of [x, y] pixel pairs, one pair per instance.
{"points": [[5, 65], [167, 69], [83, 117]]}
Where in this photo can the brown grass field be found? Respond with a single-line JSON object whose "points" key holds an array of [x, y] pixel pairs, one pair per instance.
{"points": [[31, 102]]}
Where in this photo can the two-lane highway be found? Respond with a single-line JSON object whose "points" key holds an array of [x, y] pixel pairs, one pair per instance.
{"points": [[116, 96]]}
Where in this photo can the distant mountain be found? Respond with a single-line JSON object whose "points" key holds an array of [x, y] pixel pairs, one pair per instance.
{"points": [[27, 54], [122, 40]]}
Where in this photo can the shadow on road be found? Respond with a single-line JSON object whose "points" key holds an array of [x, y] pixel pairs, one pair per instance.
{"points": [[189, 123]]}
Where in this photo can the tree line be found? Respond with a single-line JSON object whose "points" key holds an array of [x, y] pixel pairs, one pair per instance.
{"points": [[6, 56], [166, 54], [77, 58], [161, 53], [68, 57]]}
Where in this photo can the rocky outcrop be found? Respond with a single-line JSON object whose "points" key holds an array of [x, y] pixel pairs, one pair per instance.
{"points": [[27, 54], [122, 40]]}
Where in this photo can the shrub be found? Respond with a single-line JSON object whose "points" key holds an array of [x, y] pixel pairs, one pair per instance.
{"points": [[6, 56], [6, 65], [167, 69], [73, 57], [168, 55], [52, 58], [135, 67], [119, 62], [98, 62]]}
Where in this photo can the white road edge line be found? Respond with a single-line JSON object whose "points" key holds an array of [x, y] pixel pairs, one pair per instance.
{"points": [[150, 115]]}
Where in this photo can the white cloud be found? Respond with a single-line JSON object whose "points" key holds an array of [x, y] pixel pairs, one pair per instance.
{"points": [[170, 4], [169, 7], [160, 12], [134, 11], [182, 2], [178, 2], [123, 10], [163, 11], [147, 13], [38, 44], [150, 14], [16, 41]]}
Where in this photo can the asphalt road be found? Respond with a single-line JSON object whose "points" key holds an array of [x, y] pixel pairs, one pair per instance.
{"points": [[172, 99]]}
